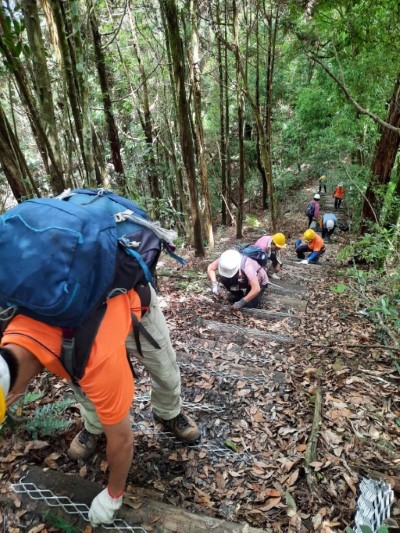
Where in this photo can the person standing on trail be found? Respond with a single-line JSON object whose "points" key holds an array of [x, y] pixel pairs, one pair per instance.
{"points": [[322, 184], [106, 390], [338, 195], [242, 277], [272, 245], [312, 209], [329, 224], [311, 242]]}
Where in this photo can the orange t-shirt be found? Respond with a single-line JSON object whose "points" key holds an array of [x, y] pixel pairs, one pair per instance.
{"points": [[108, 380], [316, 244], [339, 192]]}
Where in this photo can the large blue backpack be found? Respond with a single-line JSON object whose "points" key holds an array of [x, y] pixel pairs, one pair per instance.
{"points": [[61, 258], [256, 253]]}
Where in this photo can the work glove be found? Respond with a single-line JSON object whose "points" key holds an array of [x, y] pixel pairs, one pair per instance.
{"points": [[238, 305], [104, 508], [215, 288], [304, 262]]}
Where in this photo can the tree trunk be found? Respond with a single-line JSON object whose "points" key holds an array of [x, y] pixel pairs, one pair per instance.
{"points": [[222, 139], [56, 18], [239, 95], [14, 64], [112, 130], [75, 33], [185, 132], [382, 165], [42, 84], [258, 104], [199, 131], [272, 33], [146, 121], [10, 159], [227, 125]]}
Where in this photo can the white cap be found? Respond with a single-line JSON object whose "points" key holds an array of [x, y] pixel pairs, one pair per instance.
{"points": [[229, 263], [317, 196], [340, 184], [330, 224], [4, 386]]}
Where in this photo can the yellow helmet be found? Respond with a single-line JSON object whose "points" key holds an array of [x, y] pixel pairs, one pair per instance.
{"points": [[279, 240], [4, 387], [309, 235]]}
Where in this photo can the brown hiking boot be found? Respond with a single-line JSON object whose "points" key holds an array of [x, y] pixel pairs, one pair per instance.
{"points": [[83, 445], [182, 426]]}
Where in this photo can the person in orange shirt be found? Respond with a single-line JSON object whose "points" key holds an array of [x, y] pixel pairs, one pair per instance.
{"points": [[106, 389], [338, 195], [311, 242]]}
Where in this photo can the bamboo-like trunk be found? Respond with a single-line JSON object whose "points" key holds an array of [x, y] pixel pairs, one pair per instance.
{"points": [[147, 122], [240, 104], [42, 85], [185, 131], [199, 130], [222, 138], [104, 80]]}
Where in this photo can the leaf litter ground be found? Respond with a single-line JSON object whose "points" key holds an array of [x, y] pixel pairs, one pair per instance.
{"points": [[254, 402]]}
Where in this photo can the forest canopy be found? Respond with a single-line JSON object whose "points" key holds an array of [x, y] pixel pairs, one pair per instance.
{"points": [[202, 110]]}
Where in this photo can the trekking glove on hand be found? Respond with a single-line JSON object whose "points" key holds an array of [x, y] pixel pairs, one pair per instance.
{"points": [[304, 262], [238, 305], [104, 508], [215, 288]]}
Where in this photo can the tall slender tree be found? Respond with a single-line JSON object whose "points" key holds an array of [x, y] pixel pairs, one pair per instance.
{"points": [[199, 130], [185, 131]]}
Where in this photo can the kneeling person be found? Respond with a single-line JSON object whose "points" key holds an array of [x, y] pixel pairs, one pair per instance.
{"points": [[272, 245], [311, 243], [243, 278], [329, 223]]}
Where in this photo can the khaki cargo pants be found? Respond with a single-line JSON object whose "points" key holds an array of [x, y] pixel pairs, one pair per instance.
{"points": [[160, 364]]}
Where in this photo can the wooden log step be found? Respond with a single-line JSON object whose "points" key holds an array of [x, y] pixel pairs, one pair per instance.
{"points": [[280, 286], [142, 507], [230, 329], [284, 302], [269, 316], [224, 365]]}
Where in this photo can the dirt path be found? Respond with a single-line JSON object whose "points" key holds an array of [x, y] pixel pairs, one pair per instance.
{"points": [[252, 380]]}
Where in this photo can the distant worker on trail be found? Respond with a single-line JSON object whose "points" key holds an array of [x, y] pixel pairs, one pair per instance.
{"points": [[311, 243], [272, 245], [242, 277], [338, 195], [312, 209], [322, 184], [329, 224]]}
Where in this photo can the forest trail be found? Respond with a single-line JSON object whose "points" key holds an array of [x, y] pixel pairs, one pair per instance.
{"points": [[255, 381]]}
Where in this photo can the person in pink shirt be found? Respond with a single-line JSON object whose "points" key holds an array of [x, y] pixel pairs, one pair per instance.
{"points": [[271, 245], [243, 278], [312, 209]]}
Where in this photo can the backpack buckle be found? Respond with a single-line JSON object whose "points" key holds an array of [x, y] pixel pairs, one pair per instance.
{"points": [[122, 215]]}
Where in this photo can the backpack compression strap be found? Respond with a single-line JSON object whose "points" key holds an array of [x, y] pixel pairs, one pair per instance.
{"points": [[144, 293], [77, 344]]}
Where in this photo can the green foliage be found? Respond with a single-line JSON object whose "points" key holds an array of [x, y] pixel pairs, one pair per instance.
{"points": [[58, 522], [252, 221], [340, 288], [376, 287], [48, 419]]}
